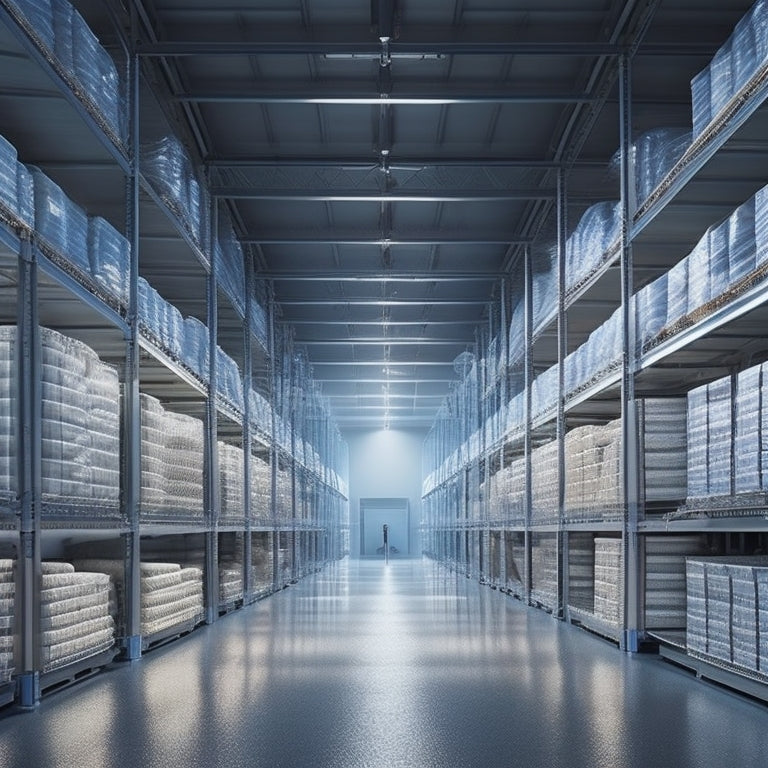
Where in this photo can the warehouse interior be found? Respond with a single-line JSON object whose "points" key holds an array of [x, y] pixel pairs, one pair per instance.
{"points": [[492, 274]]}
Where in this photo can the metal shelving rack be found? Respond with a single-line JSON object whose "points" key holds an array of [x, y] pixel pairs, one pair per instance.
{"points": [[48, 292], [699, 350]]}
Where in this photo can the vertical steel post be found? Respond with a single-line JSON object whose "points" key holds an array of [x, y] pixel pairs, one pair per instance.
{"points": [[630, 458], [562, 352], [131, 405], [211, 479], [273, 444], [29, 480], [527, 577], [247, 434]]}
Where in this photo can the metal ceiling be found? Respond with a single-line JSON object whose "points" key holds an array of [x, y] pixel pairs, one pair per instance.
{"points": [[389, 161]]}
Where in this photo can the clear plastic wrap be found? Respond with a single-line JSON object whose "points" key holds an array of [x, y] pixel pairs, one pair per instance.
{"points": [[595, 234], [183, 467], [37, 16], [544, 483], [9, 192], [261, 499], [701, 101], [230, 383], [544, 298], [8, 408], [721, 77], [59, 222], [95, 70], [677, 292], [171, 172], [725, 609], [196, 353], [544, 391], [152, 453], [609, 581], [25, 195], [109, 257], [655, 154], [699, 280], [651, 309], [231, 482], [152, 312], [741, 241], [720, 437], [751, 431], [230, 267], [104, 431]]}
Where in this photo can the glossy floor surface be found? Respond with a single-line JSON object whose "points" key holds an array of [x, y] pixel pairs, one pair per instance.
{"points": [[367, 666]]}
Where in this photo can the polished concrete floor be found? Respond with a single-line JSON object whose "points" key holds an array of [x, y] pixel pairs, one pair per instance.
{"points": [[367, 666]]}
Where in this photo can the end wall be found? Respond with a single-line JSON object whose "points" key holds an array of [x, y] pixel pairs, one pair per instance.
{"points": [[385, 463]]}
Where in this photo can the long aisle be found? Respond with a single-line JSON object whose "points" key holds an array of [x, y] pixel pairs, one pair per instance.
{"points": [[368, 666]]}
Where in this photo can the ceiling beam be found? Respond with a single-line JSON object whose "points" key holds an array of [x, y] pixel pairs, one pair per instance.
{"points": [[408, 50], [363, 196], [447, 238], [396, 160], [379, 277], [342, 302], [365, 97], [385, 342], [422, 380], [378, 323]]}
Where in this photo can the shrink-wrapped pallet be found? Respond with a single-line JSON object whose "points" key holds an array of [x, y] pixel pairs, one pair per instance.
{"points": [[152, 312], [751, 431], [544, 298], [665, 580], [7, 600], [677, 293], [109, 257], [230, 582], [196, 352], [152, 453], [60, 223], [230, 266], [183, 465], [261, 501], [726, 605], [544, 483], [594, 235], [170, 595], [651, 309], [9, 192], [171, 172], [37, 17], [741, 242], [75, 617], [230, 383], [231, 482], [544, 569], [609, 581], [699, 279], [655, 154]]}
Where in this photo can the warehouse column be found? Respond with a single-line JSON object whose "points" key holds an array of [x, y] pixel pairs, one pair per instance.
{"points": [[630, 455], [29, 462], [131, 415]]}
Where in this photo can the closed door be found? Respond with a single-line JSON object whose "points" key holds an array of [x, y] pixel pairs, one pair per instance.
{"points": [[374, 515]]}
